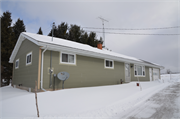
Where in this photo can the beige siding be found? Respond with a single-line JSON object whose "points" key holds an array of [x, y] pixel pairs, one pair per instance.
{"points": [[26, 75], [146, 78], [88, 71]]}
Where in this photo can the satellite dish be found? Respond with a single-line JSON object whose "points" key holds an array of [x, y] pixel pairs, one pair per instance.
{"points": [[63, 76]]}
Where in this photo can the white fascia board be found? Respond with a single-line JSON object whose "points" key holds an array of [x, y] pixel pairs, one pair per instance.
{"points": [[80, 52], [91, 54], [150, 65], [21, 38], [31, 39], [16, 48]]}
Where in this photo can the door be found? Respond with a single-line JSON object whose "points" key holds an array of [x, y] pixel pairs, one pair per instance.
{"points": [[150, 74], [155, 74], [127, 73]]}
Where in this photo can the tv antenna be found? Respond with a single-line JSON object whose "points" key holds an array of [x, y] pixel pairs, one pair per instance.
{"points": [[103, 20]]}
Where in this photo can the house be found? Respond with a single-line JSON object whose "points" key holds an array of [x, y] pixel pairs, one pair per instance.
{"points": [[37, 57]]}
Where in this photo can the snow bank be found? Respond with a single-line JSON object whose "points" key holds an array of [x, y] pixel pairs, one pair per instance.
{"points": [[171, 77], [91, 102], [9, 92]]}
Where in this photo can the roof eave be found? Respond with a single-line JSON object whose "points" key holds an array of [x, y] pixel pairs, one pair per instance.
{"points": [[92, 54], [55, 47]]}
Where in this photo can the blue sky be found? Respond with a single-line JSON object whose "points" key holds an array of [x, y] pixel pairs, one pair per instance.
{"points": [[163, 50]]}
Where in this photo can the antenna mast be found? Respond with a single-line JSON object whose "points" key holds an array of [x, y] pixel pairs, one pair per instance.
{"points": [[53, 30], [103, 29]]}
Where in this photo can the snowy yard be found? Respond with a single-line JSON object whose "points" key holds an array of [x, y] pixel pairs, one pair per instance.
{"points": [[106, 102]]}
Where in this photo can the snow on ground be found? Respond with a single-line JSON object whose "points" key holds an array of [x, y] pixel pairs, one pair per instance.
{"points": [[162, 105], [90, 102], [174, 77]]}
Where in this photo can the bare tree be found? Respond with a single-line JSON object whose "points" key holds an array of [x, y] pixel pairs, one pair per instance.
{"points": [[168, 71]]}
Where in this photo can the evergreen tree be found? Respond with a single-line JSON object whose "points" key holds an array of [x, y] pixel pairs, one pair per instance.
{"points": [[75, 33], [84, 38], [18, 27], [7, 45], [92, 41], [101, 40], [62, 30], [40, 31], [55, 33]]}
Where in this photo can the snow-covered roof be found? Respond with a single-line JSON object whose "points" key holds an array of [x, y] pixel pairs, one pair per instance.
{"points": [[59, 44]]}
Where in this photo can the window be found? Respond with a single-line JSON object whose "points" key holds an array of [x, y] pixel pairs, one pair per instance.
{"points": [[68, 58], [17, 64], [109, 64], [139, 70], [29, 58]]}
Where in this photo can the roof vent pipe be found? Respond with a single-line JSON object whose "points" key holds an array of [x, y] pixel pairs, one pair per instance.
{"points": [[42, 68], [53, 30]]}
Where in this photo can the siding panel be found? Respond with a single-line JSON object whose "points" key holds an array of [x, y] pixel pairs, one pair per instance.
{"points": [[87, 72], [26, 75], [146, 78]]}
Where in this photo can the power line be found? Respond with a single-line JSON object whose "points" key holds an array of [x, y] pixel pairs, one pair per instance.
{"points": [[131, 33], [172, 27]]}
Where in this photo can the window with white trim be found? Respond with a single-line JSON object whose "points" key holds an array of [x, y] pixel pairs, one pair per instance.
{"points": [[29, 58], [109, 64], [67, 58], [139, 70], [17, 64]]}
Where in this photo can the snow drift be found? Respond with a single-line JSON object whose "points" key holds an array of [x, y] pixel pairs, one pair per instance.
{"points": [[90, 102]]}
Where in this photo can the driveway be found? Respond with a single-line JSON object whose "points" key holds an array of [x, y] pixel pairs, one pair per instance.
{"points": [[162, 105]]}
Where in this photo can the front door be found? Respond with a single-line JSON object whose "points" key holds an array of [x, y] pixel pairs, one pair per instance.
{"points": [[150, 74], [127, 73]]}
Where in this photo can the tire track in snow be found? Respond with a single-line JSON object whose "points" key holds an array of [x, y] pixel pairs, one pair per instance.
{"points": [[162, 105]]}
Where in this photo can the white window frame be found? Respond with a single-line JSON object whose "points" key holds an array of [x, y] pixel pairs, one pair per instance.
{"points": [[108, 67], [143, 69], [67, 62], [31, 58], [16, 67]]}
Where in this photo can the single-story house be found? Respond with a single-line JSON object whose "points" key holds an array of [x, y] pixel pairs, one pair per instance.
{"points": [[37, 57]]}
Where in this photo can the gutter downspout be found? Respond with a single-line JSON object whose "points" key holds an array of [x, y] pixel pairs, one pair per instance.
{"points": [[42, 59], [50, 70]]}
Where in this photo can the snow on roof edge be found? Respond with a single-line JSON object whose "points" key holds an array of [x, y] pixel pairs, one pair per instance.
{"points": [[67, 43], [71, 44]]}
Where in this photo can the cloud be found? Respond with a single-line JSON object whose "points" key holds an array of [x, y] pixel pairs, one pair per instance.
{"points": [[1, 12], [120, 14]]}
